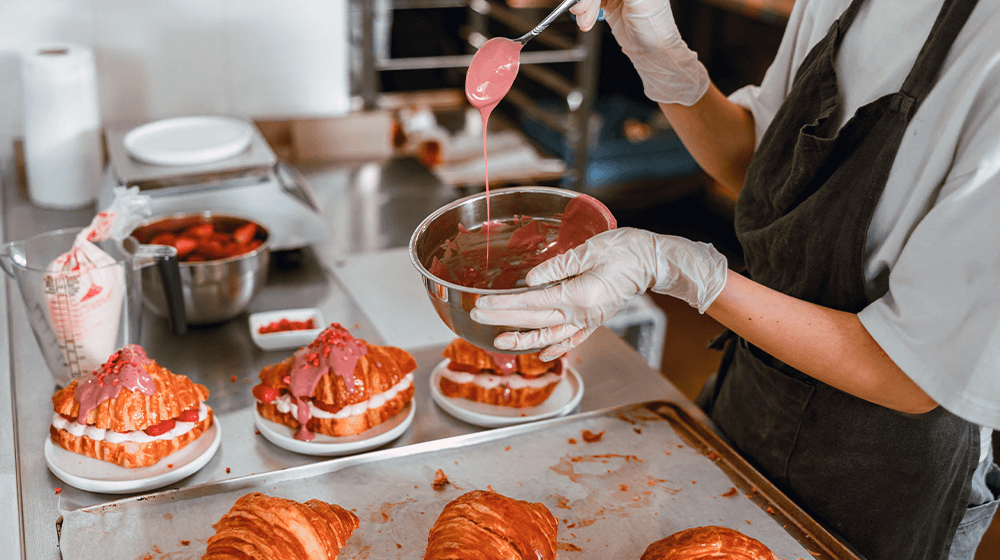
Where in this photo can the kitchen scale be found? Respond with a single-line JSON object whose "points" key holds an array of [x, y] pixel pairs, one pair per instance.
{"points": [[213, 163]]}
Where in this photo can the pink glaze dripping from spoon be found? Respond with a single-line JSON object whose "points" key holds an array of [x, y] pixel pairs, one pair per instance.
{"points": [[487, 81]]}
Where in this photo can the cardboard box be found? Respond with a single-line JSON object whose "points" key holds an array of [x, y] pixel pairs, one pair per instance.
{"points": [[362, 135]]}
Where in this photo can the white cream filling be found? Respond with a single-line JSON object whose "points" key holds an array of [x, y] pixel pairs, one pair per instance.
{"points": [[138, 436], [491, 381], [284, 402]]}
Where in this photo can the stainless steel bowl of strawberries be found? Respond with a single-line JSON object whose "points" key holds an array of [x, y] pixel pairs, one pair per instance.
{"points": [[223, 263]]}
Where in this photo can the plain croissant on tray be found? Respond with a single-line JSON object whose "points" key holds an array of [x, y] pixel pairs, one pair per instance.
{"points": [[483, 525], [703, 543], [262, 527]]}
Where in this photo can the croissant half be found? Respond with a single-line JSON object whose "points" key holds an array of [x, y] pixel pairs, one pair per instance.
{"points": [[705, 543], [262, 527], [135, 411], [473, 374], [484, 525], [469, 357], [131, 454], [382, 385]]}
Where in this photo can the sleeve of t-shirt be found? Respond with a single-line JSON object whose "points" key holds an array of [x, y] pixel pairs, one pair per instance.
{"points": [[807, 24], [940, 319]]}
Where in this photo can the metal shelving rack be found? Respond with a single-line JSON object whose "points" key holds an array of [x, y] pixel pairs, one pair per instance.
{"points": [[578, 94]]}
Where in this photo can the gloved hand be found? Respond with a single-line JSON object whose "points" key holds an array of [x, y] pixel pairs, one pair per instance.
{"points": [[608, 271], [645, 29]]}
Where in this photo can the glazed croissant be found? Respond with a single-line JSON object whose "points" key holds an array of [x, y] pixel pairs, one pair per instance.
{"points": [[262, 527], [370, 389], [482, 525], [707, 542], [131, 411]]}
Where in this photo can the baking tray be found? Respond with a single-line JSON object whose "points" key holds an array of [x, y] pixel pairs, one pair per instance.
{"points": [[617, 479]]}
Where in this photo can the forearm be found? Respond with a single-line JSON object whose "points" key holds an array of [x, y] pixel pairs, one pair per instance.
{"points": [[718, 133], [831, 346]]}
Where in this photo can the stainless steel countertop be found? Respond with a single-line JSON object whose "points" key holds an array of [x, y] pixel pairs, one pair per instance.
{"points": [[369, 207]]}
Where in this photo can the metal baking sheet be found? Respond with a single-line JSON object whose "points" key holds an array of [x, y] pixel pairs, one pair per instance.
{"points": [[649, 472]]}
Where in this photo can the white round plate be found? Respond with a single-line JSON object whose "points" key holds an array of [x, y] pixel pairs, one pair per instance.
{"points": [[564, 398], [188, 140], [283, 436], [94, 475]]}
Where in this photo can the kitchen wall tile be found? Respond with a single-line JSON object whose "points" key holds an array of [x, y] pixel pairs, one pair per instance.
{"points": [[160, 59], [288, 57], [26, 23]]}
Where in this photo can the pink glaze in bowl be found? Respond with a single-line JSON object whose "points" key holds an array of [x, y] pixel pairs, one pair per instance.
{"points": [[453, 290]]}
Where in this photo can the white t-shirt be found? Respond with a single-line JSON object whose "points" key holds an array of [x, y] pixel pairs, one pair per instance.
{"points": [[932, 258]]}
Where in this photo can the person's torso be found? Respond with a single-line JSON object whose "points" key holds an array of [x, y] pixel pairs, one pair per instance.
{"points": [[874, 58], [802, 219]]}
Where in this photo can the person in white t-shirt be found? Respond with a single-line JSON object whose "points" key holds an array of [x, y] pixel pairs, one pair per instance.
{"points": [[862, 367]]}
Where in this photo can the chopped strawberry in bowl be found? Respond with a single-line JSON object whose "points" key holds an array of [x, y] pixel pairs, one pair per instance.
{"points": [[201, 238], [223, 262], [285, 328]]}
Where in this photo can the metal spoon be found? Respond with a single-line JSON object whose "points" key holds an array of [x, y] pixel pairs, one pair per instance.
{"points": [[562, 7], [494, 66]]}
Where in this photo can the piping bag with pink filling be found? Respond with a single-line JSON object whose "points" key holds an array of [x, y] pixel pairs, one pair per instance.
{"points": [[86, 288]]}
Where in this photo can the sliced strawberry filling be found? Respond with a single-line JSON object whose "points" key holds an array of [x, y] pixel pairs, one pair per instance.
{"points": [[190, 415], [265, 394], [161, 428]]}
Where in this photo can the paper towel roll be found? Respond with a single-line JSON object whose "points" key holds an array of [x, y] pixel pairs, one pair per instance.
{"points": [[63, 153]]}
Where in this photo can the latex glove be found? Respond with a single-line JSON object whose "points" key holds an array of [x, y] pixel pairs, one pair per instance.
{"points": [[608, 271], [645, 29]]}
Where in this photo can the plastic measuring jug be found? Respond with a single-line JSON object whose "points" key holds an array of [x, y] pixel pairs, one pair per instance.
{"points": [[80, 317]]}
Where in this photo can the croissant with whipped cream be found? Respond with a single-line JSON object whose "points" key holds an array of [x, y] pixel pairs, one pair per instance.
{"points": [[131, 411], [337, 385], [708, 542], [517, 381], [262, 527], [485, 525]]}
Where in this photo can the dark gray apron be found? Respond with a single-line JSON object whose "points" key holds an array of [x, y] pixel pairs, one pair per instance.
{"points": [[892, 485]]}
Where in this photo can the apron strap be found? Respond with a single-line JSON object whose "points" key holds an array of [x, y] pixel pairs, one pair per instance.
{"points": [[924, 73], [847, 18]]}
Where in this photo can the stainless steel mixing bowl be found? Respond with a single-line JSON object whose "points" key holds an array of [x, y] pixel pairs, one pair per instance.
{"points": [[454, 302], [214, 291]]}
